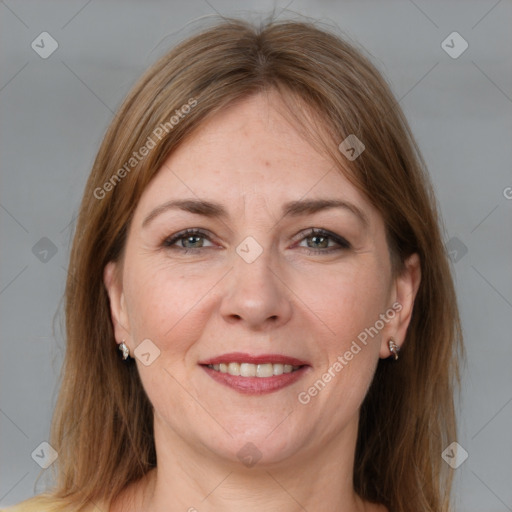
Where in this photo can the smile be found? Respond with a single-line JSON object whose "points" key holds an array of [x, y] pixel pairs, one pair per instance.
{"points": [[264, 370], [255, 374]]}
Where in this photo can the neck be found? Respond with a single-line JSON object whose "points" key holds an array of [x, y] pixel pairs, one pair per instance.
{"points": [[188, 479]]}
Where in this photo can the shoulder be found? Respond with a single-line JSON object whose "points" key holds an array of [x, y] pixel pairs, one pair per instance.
{"points": [[29, 505], [45, 503]]}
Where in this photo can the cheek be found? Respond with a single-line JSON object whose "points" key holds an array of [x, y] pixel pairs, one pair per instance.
{"points": [[164, 305], [348, 301], [350, 304]]}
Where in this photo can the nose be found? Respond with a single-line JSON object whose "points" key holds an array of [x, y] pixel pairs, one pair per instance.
{"points": [[256, 295]]}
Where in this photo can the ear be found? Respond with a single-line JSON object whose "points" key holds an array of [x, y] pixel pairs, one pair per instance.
{"points": [[403, 293], [113, 284]]}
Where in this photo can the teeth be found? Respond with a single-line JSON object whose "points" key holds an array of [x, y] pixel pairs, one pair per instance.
{"points": [[248, 370], [278, 368], [264, 370], [234, 368], [253, 370]]}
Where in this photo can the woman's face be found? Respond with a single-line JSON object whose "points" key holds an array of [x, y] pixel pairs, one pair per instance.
{"points": [[255, 279]]}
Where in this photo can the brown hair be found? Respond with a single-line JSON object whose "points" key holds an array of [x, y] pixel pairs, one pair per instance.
{"points": [[102, 426]]}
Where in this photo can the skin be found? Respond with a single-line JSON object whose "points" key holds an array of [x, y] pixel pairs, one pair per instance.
{"points": [[210, 301]]}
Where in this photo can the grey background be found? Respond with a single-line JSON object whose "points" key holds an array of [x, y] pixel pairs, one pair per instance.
{"points": [[53, 115]]}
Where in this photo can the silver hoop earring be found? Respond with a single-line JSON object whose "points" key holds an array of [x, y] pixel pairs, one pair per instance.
{"points": [[124, 349], [393, 348]]}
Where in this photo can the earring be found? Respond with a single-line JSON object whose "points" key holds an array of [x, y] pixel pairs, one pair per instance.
{"points": [[124, 349], [393, 348]]}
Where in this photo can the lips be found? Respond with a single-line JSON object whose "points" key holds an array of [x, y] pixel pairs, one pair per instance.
{"points": [[286, 371]]}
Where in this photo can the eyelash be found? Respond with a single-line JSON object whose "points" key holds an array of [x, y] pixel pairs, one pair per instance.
{"points": [[343, 244]]}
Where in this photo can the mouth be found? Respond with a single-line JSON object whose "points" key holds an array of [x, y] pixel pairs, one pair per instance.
{"points": [[255, 374], [247, 370]]}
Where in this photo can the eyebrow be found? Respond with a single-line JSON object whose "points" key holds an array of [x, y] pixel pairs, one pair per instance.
{"points": [[290, 209]]}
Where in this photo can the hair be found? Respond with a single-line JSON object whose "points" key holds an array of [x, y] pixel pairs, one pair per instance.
{"points": [[102, 427]]}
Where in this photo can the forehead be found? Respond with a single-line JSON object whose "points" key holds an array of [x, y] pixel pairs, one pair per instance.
{"points": [[250, 151]]}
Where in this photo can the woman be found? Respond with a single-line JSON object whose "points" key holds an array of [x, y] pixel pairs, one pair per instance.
{"points": [[260, 240]]}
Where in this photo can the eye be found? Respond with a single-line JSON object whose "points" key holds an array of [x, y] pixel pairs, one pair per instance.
{"points": [[318, 241], [188, 240]]}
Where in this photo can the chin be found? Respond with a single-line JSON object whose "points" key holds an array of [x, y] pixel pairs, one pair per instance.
{"points": [[256, 447]]}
